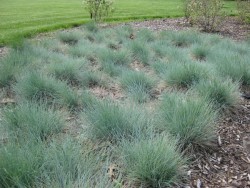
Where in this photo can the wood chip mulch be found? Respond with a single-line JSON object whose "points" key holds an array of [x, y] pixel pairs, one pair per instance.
{"points": [[231, 26], [229, 165]]}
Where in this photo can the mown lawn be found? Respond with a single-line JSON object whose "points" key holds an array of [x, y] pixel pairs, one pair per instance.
{"points": [[27, 17], [94, 107]]}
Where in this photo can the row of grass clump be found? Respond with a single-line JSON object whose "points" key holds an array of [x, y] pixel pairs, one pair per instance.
{"points": [[58, 134]]}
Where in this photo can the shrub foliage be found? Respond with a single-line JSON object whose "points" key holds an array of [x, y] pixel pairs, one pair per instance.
{"points": [[98, 9], [206, 14]]}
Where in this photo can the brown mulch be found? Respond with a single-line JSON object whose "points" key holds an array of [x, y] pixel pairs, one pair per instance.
{"points": [[231, 27], [112, 92], [229, 165]]}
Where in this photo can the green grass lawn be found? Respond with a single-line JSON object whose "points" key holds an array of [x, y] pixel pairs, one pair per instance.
{"points": [[24, 18]]}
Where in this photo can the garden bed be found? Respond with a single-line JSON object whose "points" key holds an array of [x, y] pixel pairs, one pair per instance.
{"points": [[231, 27], [119, 107]]}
